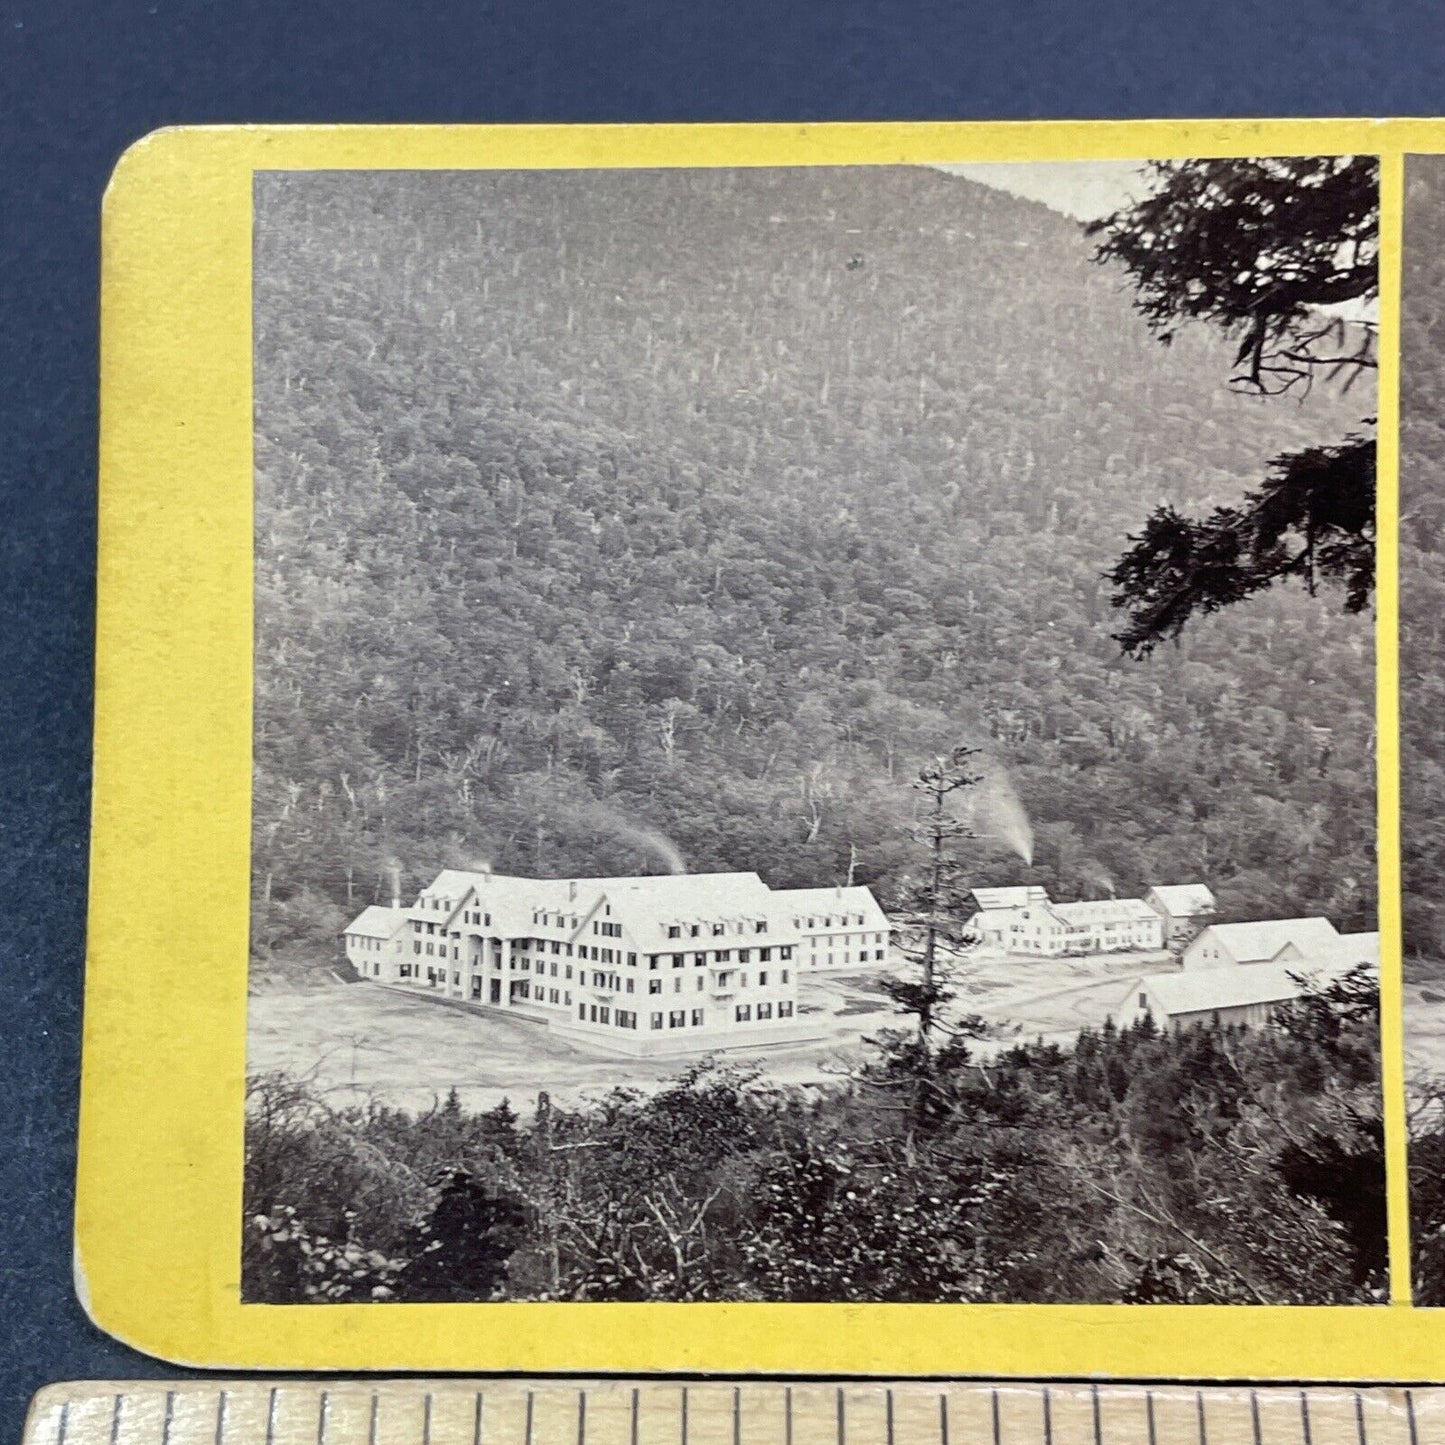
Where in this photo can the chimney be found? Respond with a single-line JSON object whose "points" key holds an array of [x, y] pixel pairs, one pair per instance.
{"points": [[395, 886]]}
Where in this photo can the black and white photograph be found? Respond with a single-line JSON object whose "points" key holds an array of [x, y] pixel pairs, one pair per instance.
{"points": [[1422, 695], [815, 740]]}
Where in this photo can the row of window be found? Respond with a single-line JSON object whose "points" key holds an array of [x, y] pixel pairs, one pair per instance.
{"points": [[544, 920], [864, 956], [543, 995], [745, 1012], [717, 930], [594, 954], [603, 1014]]}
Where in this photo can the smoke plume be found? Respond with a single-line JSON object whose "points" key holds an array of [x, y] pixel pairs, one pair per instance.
{"points": [[998, 813], [648, 839]]}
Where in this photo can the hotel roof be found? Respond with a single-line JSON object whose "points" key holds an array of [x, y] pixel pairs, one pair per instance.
{"points": [[377, 922], [830, 900], [1204, 990], [1106, 910], [1260, 941], [1185, 900], [1019, 896]]}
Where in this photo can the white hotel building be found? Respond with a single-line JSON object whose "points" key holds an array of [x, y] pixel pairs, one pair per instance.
{"points": [[649, 965]]}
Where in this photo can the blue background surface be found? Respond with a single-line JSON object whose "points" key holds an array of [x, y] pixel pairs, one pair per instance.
{"points": [[78, 82]]}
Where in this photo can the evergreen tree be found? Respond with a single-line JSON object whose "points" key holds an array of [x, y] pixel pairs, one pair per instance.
{"points": [[1267, 251], [940, 899], [460, 1252]]}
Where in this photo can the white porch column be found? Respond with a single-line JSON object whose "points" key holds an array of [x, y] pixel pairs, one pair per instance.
{"points": [[476, 965], [506, 972]]}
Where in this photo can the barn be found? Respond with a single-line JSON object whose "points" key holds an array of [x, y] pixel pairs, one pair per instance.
{"points": [[1221, 996]]}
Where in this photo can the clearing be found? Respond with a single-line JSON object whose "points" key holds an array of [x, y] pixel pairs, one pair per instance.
{"points": [[359, 1041]]}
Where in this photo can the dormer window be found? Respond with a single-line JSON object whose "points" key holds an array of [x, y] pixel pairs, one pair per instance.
{"points": [[674, 931]]}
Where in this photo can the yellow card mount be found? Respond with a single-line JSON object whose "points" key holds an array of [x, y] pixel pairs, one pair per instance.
{"points": [[621, 1412]]}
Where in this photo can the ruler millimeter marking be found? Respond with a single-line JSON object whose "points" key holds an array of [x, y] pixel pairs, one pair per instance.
{"points": [[560, 1412]]}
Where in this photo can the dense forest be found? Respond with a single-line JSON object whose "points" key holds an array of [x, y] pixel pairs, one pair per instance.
{"points": [[1422, 680], [1422, 566], [1217, 1166], [599, 514]]}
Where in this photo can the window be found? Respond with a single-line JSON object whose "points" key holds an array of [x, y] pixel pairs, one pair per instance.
{"points": [[674, 932], [416, 946], [693, 931], [654, 985], [677, 1019], [765, 1011], [785, 1010], [657, 1021], [761, 926], [556, 947], [717, 930], [701, 983], [697, 1018], [783, 976], [569, 970], [699, 959], [551, 995], [762, 978], [652, 960], [582, 1012], [604, 1015], [678, 960], [743, 1012], [765, 954], [723, 954], [629, 985], [1143, 1000], [632, 960], [677, 985], [744, 954]]}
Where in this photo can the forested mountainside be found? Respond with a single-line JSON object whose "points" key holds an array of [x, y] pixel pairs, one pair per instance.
{"points": [[598, 509], [1422, 568]]}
